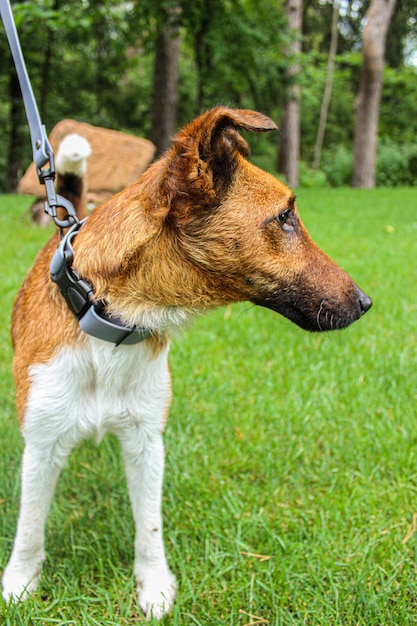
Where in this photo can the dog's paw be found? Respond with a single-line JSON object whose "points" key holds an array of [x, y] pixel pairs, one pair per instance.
{"points": [[156, 594], [18, 584]]}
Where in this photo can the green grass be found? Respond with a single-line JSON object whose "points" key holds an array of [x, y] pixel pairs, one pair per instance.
{"points": [[291, 474]]}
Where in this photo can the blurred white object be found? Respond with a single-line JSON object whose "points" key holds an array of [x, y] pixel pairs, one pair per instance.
{"points": [[72, 155]]}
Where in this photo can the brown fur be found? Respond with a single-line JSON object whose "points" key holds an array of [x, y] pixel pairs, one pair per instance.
{"points": [[198, 230]]}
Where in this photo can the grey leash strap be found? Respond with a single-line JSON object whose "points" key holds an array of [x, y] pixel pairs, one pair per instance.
{"points": [[42, 151]]}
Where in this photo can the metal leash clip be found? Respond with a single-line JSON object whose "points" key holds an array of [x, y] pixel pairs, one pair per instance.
{"points": [[53, 200]]}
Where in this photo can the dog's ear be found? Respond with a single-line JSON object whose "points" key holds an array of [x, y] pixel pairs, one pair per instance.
{"points": [[204, 154], [207, 129]]}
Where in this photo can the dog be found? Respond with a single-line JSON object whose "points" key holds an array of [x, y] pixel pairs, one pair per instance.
{"points": [[203, 227]]}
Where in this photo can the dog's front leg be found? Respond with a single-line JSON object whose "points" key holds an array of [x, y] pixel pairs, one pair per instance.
{"points": [[144, 459], [39, 477]]}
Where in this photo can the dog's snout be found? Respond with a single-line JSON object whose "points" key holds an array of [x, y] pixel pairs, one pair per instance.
{"points": [[365, 302]]}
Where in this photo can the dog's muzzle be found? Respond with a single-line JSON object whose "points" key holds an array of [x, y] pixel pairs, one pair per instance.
{"points": [[315, 314]]}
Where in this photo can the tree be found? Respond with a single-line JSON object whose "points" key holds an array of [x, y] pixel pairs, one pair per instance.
{"points": [[18, 136], [289, 146], [367, 104], [165, 81], [237, 46], [328, 87], [402, 34]]}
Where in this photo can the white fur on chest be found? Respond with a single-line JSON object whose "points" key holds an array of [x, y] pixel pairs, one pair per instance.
{"points": [[98, 388], [88, 391]]}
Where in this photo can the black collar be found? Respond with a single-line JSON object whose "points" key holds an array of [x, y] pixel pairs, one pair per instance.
{"points": [[78, 294]]}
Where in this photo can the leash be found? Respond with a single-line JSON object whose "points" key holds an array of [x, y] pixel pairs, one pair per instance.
{"points": [[43, 155], [78, 293]]}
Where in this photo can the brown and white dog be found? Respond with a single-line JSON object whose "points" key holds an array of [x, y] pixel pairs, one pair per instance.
{"points": [[202, 228]]}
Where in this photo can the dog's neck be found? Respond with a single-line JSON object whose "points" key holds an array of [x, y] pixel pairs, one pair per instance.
{"points": [[140, 309], [78, 294]]}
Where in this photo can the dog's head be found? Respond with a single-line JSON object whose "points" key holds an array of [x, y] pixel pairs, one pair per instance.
{"points": [[226, 231], [241, 227]]}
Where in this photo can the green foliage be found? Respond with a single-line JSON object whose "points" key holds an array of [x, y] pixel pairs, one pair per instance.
{"points": [[338, 166], [263, 149], [98, 56], [398, 114], [402, 40], [76, 59], [397, 122], [93, 61], [340, 119], [240, 62], [396, 165], [311, 178], [291, 457]]}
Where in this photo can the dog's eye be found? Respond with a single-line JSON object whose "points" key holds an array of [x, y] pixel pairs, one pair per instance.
{"points": [[283, 217], [287, 220]]}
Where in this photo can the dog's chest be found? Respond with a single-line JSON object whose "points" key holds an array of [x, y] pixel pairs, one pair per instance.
{"points": [[99, 388]]}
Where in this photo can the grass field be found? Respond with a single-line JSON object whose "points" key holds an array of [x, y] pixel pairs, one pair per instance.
{"points": [[291, 477]]}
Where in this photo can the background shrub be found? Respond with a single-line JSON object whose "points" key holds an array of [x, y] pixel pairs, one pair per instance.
{"points": [[337, 164], [396, 165]]}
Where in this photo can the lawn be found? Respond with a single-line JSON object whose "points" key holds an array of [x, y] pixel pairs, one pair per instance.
{"points": [[291, 476]]}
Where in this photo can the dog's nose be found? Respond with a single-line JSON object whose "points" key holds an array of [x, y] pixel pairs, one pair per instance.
{"points": [[365, 302]]}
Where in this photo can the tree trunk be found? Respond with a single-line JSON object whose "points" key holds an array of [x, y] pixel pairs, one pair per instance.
{"points": [[99, 71], [165, 83], [17, 139], [202, 54], [289, 140], [289, 143], [46, 73], [46, 67], [328, 87], [368, 101]]}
